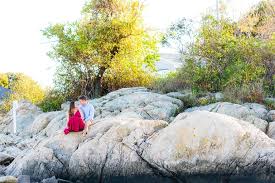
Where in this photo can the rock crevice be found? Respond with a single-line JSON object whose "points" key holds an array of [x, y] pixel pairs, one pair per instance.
{"points": [[137, 135]]}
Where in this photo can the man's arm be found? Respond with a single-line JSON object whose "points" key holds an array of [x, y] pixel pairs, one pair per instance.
{"points": [[81, 113], [91, 113]]}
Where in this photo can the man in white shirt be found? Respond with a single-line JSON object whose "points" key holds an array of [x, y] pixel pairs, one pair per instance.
{"points": [[87, 112]]}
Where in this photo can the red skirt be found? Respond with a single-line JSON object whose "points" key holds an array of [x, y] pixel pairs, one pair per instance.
{"points": [[75, 123]]}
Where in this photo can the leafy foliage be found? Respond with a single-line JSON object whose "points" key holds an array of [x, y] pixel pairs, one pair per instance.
{"points": [[178, 34], [4, 80], [260, 20], [173, 81], [220, 58], [23, 88], [252, 92], [107, 49], [225, 57], [52, 101]]}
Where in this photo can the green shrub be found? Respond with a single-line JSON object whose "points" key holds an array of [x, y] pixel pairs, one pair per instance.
{"points": [[189, 100], [246, 93], [4, 80], [23, 87], [220, 58], [270, 103], [205, 100], [52, 101], [169, 83]]}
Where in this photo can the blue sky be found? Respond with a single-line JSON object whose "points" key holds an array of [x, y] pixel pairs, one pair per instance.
{"points": [[23, 48]]}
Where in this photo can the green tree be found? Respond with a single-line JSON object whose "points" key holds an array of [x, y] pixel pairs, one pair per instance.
{"points": [[108, 45], [52, 101], [23, 88], [221, 59], [178, 35], [260, 20], [4, 80]]}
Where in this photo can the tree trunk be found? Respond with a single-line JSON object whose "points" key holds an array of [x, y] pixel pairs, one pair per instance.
{"points": [[98, 83], [97, 87]]}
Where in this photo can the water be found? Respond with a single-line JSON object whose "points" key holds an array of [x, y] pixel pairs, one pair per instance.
{"points": [[186, 179]]}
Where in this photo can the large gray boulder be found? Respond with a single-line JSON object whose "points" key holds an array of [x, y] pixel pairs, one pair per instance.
{"points": [[259, 110], [203, 142], [271, 130], [255, 114], [26, 113], [271, 115], [8, 179], [137, 102], [194, 143], [56, 125], [35, 126], [50, 157], [39, 163], [111, 153], [177, 95], [5, 159], [9, 144], [42, 121], [105, 146]]}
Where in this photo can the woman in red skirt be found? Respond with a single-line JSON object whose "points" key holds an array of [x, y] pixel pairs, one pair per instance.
{"points": [[75, 122]]}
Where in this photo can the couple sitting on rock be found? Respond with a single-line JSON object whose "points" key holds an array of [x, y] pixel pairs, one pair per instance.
{"points": [[80, 117]]}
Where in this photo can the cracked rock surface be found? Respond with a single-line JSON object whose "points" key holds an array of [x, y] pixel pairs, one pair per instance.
{"points": [[26, 113], [255, 114], [204, 142], [136, 138], [199, 142], [136, 102]]}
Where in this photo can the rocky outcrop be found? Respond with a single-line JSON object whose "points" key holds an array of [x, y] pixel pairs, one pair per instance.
{"points": [[271, 130], [112, 152], [104, 148], [10, 144], [50, 180], [254, 113], [26, 113], [128, 102], [198, 142], [39, 163], [5, 159], [138, 103], [8, 179], [259, 110], [43, 120], [202, 142], [271, 115], [138, 137]]}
